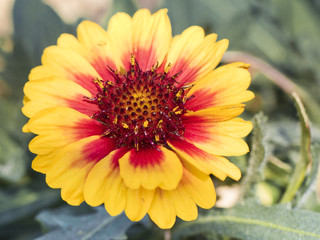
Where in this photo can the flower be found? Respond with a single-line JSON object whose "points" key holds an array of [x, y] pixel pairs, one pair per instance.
{"points": [[135, 119]]}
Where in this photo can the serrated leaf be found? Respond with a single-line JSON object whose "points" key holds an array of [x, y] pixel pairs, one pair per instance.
{"points": [[36, 26], [258, 155], [66, 223], [256, 222]]}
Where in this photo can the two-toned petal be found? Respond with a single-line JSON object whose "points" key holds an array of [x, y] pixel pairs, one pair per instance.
{"points": [[224, 86], [146, 36], [105, 185], [192, 55], [72, 164], [217, 137], [69, 65], [151, 168], [57, 127], [95, 40], [151, 37], [203, 161], [54, 92]]}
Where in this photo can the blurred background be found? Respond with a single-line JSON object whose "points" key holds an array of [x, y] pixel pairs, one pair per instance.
{"points": [[280, 39]]}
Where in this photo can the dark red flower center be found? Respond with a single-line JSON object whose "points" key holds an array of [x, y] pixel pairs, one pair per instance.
{"points": [[140, 108]]}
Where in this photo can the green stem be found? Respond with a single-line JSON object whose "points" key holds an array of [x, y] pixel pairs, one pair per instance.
{"points": [[305, 154]]}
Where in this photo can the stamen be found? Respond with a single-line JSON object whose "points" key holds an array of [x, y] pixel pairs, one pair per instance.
{"points": [[140, 108]]}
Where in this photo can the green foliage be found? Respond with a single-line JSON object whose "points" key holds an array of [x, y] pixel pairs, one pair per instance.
{"points": [[68, 223], [305, 154], [12, 146], [255, 222], [22, 203], [34, 32], [258, 156]]}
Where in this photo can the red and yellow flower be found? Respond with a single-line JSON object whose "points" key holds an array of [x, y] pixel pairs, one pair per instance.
{"points": [[136, 119]]}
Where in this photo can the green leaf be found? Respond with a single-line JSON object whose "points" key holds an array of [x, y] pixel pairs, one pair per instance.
{"points": [[308, 27], [12, 157], [305, 153], [12, 144], [24, 203], [255, 222], [66, 223], [36, 26], [258, 155], [214, 16]]}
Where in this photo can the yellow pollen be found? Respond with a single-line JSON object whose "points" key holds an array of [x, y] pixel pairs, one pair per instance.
{"points": [[160, 124], [175, 109], [106, 132], [136, 129], [132, 60], [179, 93], [167, 68], [145, 123], [115, 121], [157, 138], [124, 125], [99, 82]]}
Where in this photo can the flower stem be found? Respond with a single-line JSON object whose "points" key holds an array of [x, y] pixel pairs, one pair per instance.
{"points": [[278, 78], [305, 154], [167, 234]]}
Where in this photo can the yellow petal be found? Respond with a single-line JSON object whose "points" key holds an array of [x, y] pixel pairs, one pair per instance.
{"points": [[201, 191], [41, 72], [162, 211], [41, 163], [92, 35], [115, 200], [95, 39], [120, 37], [213, 114], [25, 128], [185, 206], [69, 41], [138, 203]]}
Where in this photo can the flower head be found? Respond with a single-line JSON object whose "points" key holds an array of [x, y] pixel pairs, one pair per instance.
{"points": [[135, 119]]}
